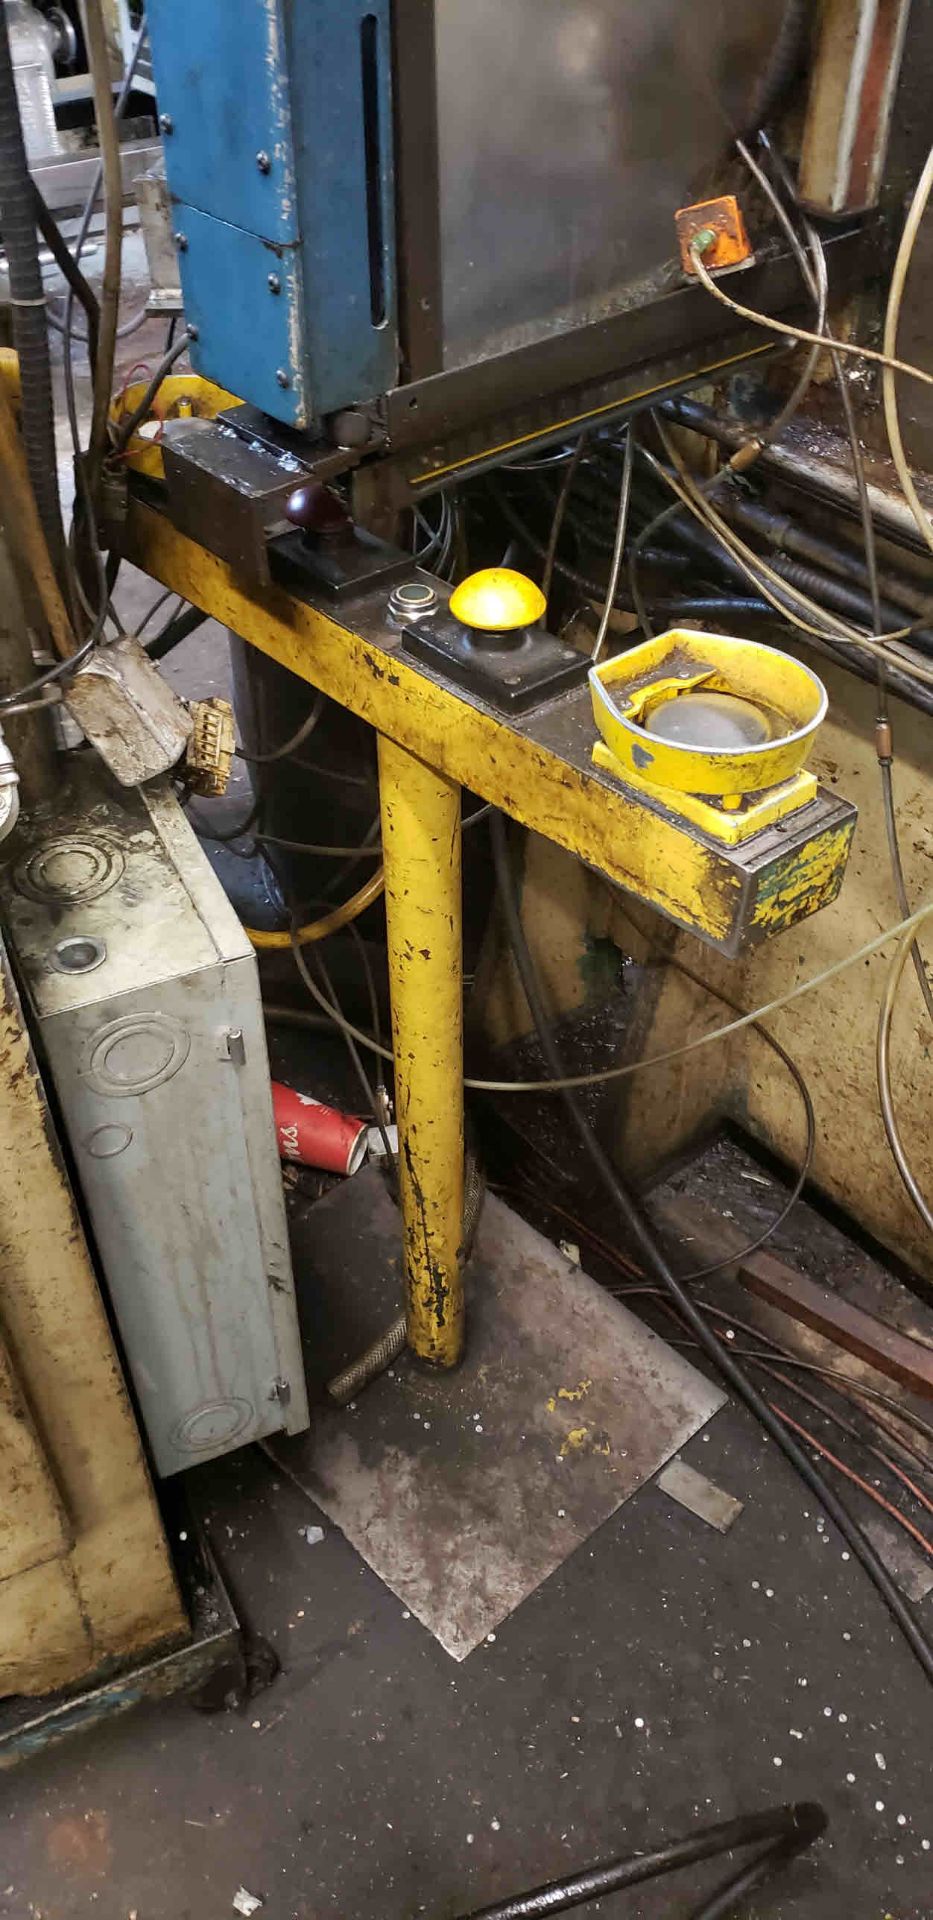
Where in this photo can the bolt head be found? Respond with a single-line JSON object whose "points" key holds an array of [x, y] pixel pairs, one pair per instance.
{"points": [[283, 376], [263, 162], [166, 123], [181, 242], [274, 283]]}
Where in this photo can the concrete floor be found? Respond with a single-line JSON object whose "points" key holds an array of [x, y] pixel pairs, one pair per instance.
{"points": [[665, 1677]]}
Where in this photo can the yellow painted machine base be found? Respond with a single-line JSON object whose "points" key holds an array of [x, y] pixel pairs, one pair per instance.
{"points": [[730, 820]]}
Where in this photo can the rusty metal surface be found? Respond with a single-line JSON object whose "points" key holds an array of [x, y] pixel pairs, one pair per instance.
{"points": [[721, 217], [465, 1492], [855, 74], [33, 1524], [214, 1651], [826, 1312]]}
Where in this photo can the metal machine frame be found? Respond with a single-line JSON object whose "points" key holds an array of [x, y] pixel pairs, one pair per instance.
{"points": [[433, 740]]}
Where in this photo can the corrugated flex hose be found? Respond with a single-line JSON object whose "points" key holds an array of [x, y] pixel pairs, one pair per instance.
{"points": [[30, 332], [346, 1385]]}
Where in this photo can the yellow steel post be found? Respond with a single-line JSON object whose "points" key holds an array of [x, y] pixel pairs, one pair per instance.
{"points": [[421, 850]]}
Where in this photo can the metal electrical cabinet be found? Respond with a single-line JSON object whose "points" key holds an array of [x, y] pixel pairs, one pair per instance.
{"points": [[368, 197], [145, 992]]}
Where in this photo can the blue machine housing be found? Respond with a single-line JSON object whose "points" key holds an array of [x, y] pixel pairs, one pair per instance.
{"points": [[277, 124]]}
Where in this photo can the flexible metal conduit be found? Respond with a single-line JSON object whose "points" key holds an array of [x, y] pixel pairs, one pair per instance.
{"points": [[30, 333]]}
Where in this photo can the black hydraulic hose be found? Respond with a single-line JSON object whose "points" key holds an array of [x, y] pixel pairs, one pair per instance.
{"points": [[697, 605], [782, 1833], [27, 296], [175, 632], [841, 597], [855, 659], [649, 1246], [784, 533]]}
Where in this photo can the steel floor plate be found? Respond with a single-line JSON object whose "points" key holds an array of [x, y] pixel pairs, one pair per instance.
{"points": [[464, 1491]]}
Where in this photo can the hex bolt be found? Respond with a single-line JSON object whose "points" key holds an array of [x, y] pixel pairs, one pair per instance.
{"points": [[166, 123], [181, 242], [274, 283], [283, 377], [263, 162]]}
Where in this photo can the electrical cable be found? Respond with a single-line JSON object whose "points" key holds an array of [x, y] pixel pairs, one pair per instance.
{"points": [[179, 628], [310, 847], [844, 1382], [119, 108], [849, 1473], [125, 329], [126, 427], [651, 1251], [602, 1076], [787, 598], [290, 746], [322, 928], [596, 589], [883, 731], [883, 1064], [69, 269], [560, 508], [905, 254], [169, 594], [625, 495], [95, 34], [787, 1831], [699, 244], [845, 1426], [85, 505], [806, 1165]]}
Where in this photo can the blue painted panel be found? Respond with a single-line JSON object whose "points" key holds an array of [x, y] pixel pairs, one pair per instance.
{"points": [[350, 355], [245, 331], [220, 70], [307, 82]]}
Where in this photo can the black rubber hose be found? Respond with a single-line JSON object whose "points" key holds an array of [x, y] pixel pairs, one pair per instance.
{"points": [[785, 1832], [27, 295], [649, 1246], [850, 601], [784, 533], [596, 590], [175, 632], [855, 659]]}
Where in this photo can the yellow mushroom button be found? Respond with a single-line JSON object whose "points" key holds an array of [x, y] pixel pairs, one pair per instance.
{"points": [[497, 600]]}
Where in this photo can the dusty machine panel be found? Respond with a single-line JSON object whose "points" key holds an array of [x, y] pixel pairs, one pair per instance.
{"points": [[145, 991]]}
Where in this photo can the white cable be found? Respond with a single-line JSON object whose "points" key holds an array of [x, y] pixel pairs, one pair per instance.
{"points": [[607, 1074], [905, 254], [831, 344]]}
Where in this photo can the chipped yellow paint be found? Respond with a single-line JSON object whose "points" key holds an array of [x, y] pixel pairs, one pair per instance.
{"points": [[751, 813], [421, 854], [642, 848], [810, 878], [574, 1393], [576, 1439]]}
